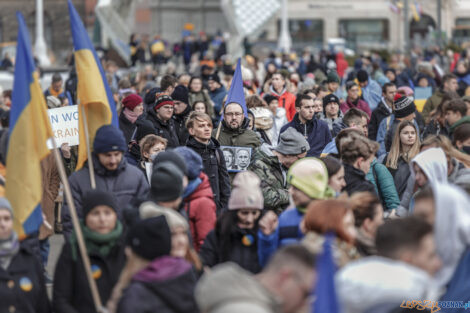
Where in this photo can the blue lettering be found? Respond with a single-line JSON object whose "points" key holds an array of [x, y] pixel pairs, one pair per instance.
{"points": [[67, 116], [75, 115], [54, 119]]}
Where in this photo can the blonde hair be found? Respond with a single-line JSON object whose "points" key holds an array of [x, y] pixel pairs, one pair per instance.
{"points": [[440, 141], [197, 116], [397, 147]]}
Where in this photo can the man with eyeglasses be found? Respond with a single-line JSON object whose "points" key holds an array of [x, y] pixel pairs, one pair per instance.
{"points": [[160, 114], [271, 166], [315, 131], [283, 286], [234, 130]]}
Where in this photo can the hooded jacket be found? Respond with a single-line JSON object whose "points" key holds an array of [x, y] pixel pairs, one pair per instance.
{"points": [[315, 131], [433, 163], [126, 183], [384, 185], [166, 285], [374, 281], [241, 292], [360, 104], [127, 127], [163, 129], [382, 111], [200, 209], [241, 137], [214, 167], [356, 180], [273, 182], [286, 101]]}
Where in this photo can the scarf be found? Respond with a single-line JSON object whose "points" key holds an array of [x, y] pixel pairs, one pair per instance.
{"points": [[55, 93], [101, 244], [8, 249], [192, 185], [130, 115]]}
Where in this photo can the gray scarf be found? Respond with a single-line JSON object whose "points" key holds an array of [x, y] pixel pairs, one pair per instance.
{"points": [[8, 249]]}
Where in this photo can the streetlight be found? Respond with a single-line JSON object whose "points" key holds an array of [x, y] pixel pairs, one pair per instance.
{"points": [[285, 41], [40, 45]]}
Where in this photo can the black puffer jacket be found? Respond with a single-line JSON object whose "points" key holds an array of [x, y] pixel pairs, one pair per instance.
{"points": [[127, 127], [22, 286], [214, 167], [166, 130], [180, 124], [400, 175], [356, 180], [71, 290]]}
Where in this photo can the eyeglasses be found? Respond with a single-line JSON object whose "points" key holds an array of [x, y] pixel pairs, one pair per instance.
{"points": [[232, 114]]}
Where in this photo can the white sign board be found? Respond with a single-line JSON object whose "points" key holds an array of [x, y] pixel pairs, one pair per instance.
{"points": [[64, 122]]}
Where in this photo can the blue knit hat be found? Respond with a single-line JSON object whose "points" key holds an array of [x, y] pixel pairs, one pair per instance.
{"points": [[109, 138], [193, 161]]}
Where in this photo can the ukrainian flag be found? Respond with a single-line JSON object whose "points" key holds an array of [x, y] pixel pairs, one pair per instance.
{"points": [[29, 131], [93, 92]]}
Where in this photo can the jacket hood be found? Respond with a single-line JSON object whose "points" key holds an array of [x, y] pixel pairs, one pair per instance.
{"points": [[271, 90], [239, 287], [451, 229], [204, 189], [463, 120], [372, 281], [163, 269], [433, 162]]}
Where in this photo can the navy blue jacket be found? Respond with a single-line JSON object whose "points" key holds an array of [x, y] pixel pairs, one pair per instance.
{"points": [[315, 131]]}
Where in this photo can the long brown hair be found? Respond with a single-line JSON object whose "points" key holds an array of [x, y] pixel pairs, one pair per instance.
{"points": [[440, 141], [397, 147]]}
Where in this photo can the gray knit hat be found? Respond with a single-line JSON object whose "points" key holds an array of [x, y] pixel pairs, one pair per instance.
{"points": [[5, 204], [292, 143]]}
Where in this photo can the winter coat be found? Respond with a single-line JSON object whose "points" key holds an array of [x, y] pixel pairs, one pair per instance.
{"points": [[50, 191], [360, 104], [22, 285], [372, 94], [217, 97], [432, 103], [241, 137], [279, 121], [204, 97], [200, 208], [459, 174], [330, 121], [356, 180], [286, 101], [242, 251], [164, 129], [126, 183], [166, 285], [241, 292], [71, 293], [272, 175], [127, 127], [180, 125], [287, 232], [382, 111], [214, 167], [315, 131], [400, 175], [384, 185], [374, 281]]}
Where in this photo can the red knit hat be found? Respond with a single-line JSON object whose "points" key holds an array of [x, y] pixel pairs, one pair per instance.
{"points": [[163, 100], [131, 101]]}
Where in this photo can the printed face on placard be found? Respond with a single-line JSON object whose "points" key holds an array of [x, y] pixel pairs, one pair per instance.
{"points": [[236, 158]]}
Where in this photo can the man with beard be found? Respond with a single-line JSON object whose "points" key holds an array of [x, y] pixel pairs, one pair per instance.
{"points": [[315, 131], [234, 130], [181, 112]]}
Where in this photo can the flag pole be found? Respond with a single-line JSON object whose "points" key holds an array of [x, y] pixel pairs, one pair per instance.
{"points": [[88, 149], [78, 230]]}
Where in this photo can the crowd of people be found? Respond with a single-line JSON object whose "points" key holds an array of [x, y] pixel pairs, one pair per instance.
{"points": [[205, 204]]}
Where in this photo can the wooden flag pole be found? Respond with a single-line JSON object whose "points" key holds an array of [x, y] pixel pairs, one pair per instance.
{"points": [[220, 123], [88, 149], [78, 230]]}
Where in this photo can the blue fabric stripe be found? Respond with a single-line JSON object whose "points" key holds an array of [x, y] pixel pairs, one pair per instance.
{"points": [[31, 224]]}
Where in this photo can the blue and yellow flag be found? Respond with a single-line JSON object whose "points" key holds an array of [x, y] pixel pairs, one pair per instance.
{"points": [[29, 130], [93, 92]]}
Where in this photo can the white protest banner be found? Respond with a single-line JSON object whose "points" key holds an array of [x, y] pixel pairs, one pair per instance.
{"points": [[64, 122]]}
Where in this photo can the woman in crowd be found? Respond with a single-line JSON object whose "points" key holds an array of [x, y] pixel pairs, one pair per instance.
{"points": [[336, 216], [405, 147], [200, 106], [197, 93], [335, 173], [22, 284], [159, 281], [368, 216], [461, 138], [235, 235], [150, 146], [357, 154], [102, 232], [133, 108]]}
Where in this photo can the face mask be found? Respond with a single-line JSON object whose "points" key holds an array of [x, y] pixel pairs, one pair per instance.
{"points": [[153, 156], [466, 149]]}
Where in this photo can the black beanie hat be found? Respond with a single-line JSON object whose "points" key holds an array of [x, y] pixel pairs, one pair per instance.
{"points": [[404, 106], [362, 76], [180, 94], [151, 96], [329, 98], [144, 128], [166, 183], [150, 238], [94, 198], [109, 138], [173, 157], [268, 98], [215, 77]]}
